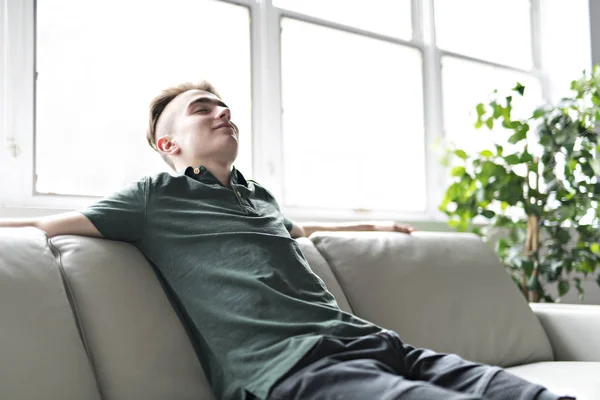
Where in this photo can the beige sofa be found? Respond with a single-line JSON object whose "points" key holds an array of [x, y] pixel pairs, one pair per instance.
{"points": [[85, 318]]}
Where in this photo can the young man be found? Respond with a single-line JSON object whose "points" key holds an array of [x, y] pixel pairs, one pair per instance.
{"points": [[264, 325]]}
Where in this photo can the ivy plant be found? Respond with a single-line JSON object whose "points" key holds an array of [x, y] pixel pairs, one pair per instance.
{"points": [[538, 185]]}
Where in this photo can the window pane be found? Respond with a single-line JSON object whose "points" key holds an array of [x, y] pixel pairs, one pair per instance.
{"points": [[494, 30], [573, 18], [352, 121], [465, 84], [387, 17], [99, 69]]}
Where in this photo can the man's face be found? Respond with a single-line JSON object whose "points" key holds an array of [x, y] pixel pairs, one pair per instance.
{"points": [[202, 128]]}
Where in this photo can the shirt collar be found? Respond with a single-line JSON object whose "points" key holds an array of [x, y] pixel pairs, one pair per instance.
{"points": [[237, 178], [201, 174]]}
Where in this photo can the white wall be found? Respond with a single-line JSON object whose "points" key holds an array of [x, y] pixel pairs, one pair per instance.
{"points": [[595, 30], [592, 290]]}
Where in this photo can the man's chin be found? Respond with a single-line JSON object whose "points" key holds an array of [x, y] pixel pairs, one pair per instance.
{"points": [[230, 149]]}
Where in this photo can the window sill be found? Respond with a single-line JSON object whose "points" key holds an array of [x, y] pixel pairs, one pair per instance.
{"points": [[420, 224]]}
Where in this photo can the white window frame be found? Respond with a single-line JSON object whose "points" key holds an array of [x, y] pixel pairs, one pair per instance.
{"points": [[17, 36]]}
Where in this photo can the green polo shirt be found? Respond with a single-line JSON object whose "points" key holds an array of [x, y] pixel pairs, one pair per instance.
{"points": [[247, 295]]}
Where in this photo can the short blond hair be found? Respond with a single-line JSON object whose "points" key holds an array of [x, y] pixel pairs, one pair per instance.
{"points": [[160, 102]]}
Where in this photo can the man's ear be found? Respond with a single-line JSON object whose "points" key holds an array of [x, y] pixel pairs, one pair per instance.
{"points": [[167, 146]]}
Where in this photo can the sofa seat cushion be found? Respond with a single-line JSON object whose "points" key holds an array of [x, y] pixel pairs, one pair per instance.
{"points": [[578, 379]]}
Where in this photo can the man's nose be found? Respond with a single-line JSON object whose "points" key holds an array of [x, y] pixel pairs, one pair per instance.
{"points": [[224, 113]]}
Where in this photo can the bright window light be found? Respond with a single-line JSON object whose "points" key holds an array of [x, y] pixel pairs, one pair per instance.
{"points": [[100, 64]]}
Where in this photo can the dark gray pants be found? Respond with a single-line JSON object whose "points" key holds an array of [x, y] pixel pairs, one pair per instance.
{"points": [[381, 367]]}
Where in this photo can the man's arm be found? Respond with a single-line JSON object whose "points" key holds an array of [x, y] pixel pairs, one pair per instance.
{"points": [[305, 230], [70, 223]]}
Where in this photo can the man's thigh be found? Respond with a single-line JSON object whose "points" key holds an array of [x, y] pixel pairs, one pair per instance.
{"points": [[358, 380]]}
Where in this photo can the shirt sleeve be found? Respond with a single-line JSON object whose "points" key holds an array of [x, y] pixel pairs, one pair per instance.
{"points": [[288, 224], [122, 215]]}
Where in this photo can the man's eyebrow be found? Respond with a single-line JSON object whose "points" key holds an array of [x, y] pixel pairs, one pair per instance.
{"points": [[205, 100]]}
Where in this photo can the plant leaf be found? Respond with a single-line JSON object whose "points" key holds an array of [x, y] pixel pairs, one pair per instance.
{"points": [[453, 223], [525, 264], [526, 157], [512, 159], [480, 110], [488, 214], [539, 112], [519, 88], [579, 288], [502, 245], [534, 284], [535, 209], [486, 154], [563, 287], [595, 164], [488, 168], [516, 137], [563, 235], [460, 154], [458, 171], [499, 150], [497, 109]]}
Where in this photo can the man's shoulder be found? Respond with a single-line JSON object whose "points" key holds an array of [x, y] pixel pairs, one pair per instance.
{"points": [[262, 192], [163, 179], [253, 183], [258, 188], [150, 185]]}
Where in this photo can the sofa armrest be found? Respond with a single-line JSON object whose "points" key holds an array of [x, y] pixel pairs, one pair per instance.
{"points": [[573, 330]]}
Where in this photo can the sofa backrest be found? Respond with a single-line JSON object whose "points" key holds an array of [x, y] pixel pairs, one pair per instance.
{"points": [[42, 355], [138, 346], [443, 291], [87, 318], [321, 267]]}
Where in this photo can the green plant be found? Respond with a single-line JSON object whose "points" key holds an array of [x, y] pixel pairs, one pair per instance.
{"points": [[538, 186]]}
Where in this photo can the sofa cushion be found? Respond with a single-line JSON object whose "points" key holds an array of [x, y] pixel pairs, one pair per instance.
{"points": [[138, 345], [42, 355], [443, 291], [320, 267], [578, 379]]}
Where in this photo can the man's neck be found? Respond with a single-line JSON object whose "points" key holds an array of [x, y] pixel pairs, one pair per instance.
{"points": [[221, 171]]}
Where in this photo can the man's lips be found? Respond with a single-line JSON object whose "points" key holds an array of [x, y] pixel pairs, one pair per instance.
{"points": [[224, 126]]}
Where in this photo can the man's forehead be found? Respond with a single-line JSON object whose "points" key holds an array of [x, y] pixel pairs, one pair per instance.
{"points": [[184, 98]]}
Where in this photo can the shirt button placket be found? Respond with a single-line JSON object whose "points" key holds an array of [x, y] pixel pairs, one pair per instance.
{"points": [[245, 203]]}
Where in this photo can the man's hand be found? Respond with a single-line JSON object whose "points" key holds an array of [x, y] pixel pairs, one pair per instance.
{"points": [[375, 226], [390, 226]]}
